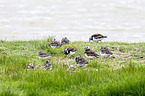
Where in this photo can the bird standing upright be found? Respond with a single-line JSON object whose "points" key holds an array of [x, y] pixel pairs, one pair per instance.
{"points": [[47, 65]]}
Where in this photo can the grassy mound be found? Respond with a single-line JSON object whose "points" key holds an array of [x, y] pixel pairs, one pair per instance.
{"points": [[120, 75]]}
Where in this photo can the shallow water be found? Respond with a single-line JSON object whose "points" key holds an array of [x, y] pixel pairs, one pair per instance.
{"points": [[120, 20]]}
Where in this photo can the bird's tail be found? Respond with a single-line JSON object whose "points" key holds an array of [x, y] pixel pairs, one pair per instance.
{"points": [[104, 36], [97, 55]]}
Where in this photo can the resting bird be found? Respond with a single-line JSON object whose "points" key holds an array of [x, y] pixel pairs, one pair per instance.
{"points": [[47, 65], [55, 44], [30, 66], [80, 61], [64, 41], [105, 52], [90, 53], [97, 37], [70, 51], [42, 55]]}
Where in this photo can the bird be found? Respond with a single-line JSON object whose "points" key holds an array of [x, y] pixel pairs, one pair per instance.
{"points": [[42, 55], [105, 52], [70, 51], [97, 37], [55, 44], [90, 53], [64, 41], [30, 66], [80, 61], [47, 65]]}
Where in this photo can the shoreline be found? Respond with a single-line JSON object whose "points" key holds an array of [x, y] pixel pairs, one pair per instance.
{"points": [[70, 41], [77, 39]]}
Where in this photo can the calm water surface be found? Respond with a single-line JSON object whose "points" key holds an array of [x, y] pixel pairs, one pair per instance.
{"points": [[120, 20]]}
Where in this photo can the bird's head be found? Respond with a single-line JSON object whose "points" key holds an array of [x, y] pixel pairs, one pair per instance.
{"points": [[87, 47], [90, 39]]}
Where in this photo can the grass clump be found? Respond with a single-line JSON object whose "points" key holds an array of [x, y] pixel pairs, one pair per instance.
{"points": [[120, 75]]}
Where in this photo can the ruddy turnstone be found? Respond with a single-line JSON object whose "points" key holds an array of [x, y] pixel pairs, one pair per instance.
{"points": [[64, 41], [55, 44], [47, 65], [42, 55], [97, 37], [30, 66], [80, 61], [90, 53], [70, 51], [105, 52]]}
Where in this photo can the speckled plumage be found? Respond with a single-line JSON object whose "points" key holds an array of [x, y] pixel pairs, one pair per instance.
{"points": [[55, 44], [97, 37], [105, 52], [70, 51], [42, 55], [47, 65], [80, 61], [64, 41], [90, 53], [30, 66]]}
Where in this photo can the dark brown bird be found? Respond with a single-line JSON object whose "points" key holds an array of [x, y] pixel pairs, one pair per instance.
{"points": [[80, 61], [97, 37], [90, 53], [64, 41], [55, 44], [47, 65], [70, 51], [105, 52], [42, 55], [30, 66]]}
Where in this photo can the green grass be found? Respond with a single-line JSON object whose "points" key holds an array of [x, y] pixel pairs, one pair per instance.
{"points": [[120, 75]]}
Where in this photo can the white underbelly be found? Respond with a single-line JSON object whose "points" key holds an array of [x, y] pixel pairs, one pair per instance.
{"points": [[99, 39], [81, 65], [44, 57], [89, 56], [105, 55], [71, 53], [54, 46]]}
